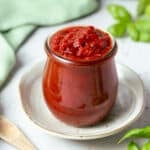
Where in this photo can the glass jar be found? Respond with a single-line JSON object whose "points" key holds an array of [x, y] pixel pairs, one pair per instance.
{"points": [[80, 93]]}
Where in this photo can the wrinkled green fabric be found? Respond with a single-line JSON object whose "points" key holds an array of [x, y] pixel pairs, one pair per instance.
{"points": [[16, 36], [18, 18]]}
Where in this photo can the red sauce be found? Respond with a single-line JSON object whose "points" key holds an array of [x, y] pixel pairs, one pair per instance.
{"points": [[80, 93], [78, 43]]}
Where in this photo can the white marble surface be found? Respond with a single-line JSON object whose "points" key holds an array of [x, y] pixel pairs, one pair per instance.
{"points": [[135, 55]]}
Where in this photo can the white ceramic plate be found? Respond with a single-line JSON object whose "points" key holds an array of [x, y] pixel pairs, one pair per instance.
{"points": [[128, 107]]}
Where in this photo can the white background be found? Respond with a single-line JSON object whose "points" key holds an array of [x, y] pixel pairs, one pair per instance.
{"points": [[135, 55]]}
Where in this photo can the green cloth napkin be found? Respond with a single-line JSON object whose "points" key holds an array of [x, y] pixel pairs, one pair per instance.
{"points": [[18, 18]]}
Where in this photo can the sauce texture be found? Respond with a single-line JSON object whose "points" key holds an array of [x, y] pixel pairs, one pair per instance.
{"points": [[81, 43]]}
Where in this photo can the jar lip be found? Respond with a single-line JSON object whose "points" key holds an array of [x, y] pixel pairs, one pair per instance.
{"points": [[111, 52]]}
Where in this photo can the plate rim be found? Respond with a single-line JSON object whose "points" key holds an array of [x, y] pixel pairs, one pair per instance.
{"points": [[25, 70]]}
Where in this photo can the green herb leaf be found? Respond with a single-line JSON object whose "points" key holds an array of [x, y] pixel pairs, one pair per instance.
{"points": [[137, 133], [133, 146], [119, 12], [142, 6], [117, 30], [144, 37], [147, 10], [143, 24], [133, 32], [146, 146]]}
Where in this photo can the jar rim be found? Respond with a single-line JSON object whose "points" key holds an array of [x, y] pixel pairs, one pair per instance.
{"points": [[111, 53]]}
